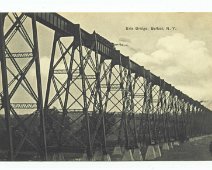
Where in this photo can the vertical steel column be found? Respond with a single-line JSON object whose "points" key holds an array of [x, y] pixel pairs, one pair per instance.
{"points": [[184, 119], [85, 107], [142, 129], [164, 122], [174, 114], [172, 122], [64, 109], [163, 109], [192, 120], [107, 98], [180, 117], [173, 125], [98, 87], [202, 121], [51, 71], [198, 120], [168, 110], [121, 87], [39, 89], [137, 106], [132, 89], [182, 109], [147, 106], [154, 115], [124, 113], [125, 96], [196, 117], [6, 99], [158, 112], [188, 110], [177, 117]]}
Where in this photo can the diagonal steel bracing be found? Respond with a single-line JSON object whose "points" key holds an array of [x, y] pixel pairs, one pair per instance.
{"points": [[95, 98], [15, 80]]}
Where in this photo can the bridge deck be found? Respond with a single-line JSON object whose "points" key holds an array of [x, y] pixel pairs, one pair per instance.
{"points": [[105, 48]]}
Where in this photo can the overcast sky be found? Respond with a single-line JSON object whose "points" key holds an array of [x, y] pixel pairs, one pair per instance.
{"points": [[181, 55]]}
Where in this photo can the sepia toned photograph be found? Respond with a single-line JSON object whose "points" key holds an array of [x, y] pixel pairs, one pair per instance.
{"points": [[128, 86]]}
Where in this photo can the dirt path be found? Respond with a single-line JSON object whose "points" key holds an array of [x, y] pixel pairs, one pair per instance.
{"points": [[197, 150]]}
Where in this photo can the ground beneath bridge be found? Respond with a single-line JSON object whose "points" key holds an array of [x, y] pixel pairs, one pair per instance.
{"points": [[197, 150]]}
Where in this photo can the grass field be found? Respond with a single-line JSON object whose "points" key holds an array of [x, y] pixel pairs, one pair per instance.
{"points": [[194, 150], [197, 150]]}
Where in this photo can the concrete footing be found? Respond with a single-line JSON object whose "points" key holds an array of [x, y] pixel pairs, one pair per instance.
{"points": [[171, 145], [127, 156], [137, 155], [191, 140], [176, 143], [117, 151], [117, 154], [150, 153], [99, 156], [196, 138], [106, 157], [165, 146], [157, 151], [58, 157]]}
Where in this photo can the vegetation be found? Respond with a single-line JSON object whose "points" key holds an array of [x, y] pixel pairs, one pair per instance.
{"points": [[67, 131]]}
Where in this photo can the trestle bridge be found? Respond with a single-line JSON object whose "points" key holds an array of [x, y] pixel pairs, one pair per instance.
{"points": [[96, 98]]}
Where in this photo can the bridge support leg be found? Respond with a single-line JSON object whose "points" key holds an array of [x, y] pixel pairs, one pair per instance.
{"points": [[106, 157], [150, 153], [127, 156], [85, 109], [6, 99], [117, 153], [157, 151], [39, 89], [99, 64], [137, 155], [22, 127], [165, 146], [100, 156]]}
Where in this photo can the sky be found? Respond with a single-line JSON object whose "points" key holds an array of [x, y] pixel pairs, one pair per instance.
{"points": [[182, 56], [174, 46]]}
